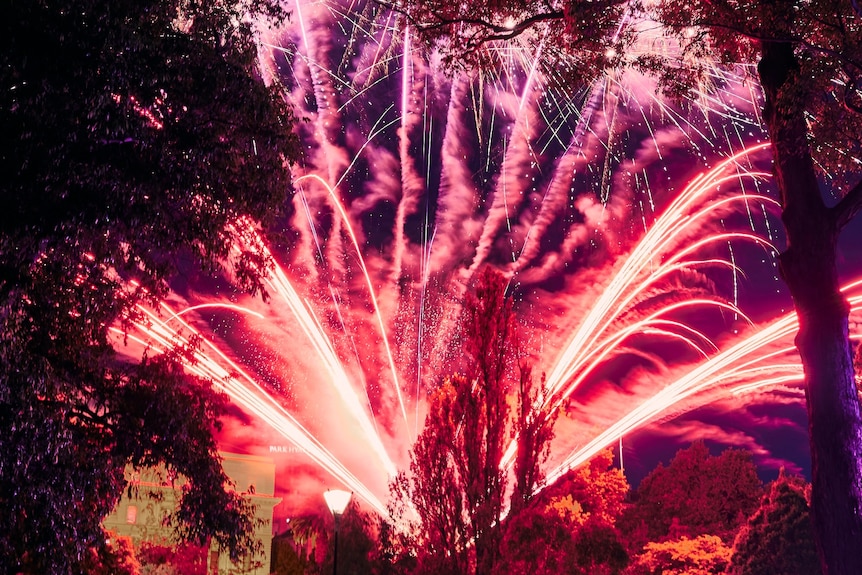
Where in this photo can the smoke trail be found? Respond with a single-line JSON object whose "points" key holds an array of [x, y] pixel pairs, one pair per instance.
{"points": [[413, 86], [514, 181]]}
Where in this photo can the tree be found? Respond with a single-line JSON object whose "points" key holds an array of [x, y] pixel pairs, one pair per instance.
{"points": [[286, 560], [596, 490], [534, 432], [116, 558], [457, 483], [809, 65], [157, 559], [778, 537], [570, 527], [355, 543], [299, 550], [591, 497], [697, 494], [703, 555], [134, 134]]}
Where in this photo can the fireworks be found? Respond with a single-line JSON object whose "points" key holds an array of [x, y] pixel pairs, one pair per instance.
{"points": [[623, 224]]}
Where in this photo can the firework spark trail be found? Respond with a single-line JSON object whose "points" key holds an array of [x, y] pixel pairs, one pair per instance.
{"points": [[220, 305], [458, 198], [586, 350], [750, 359], [371, 292], [277, 280], [618, 294], [557, 192], [698, 379], [513, 180], [655, 324], [328, 120], [455, 226], [458, 210], [413, 77], [586, 362], [243, 390]]}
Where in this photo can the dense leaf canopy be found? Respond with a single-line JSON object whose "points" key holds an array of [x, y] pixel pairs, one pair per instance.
{"points": [[778, 537], [697, 494], [133, 134]]}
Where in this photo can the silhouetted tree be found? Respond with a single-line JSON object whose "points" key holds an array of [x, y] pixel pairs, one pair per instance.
{"points": [[457, 483], [809, 64], [356, 541], [134, 134], [778, 537], [310, 533], [286, 559], [116, 558], [394, 553], [537, 541]]}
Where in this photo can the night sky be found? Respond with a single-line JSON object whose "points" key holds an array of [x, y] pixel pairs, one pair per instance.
{"points": [[553, 185]]}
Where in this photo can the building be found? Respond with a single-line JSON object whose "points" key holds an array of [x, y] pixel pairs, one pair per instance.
{"points": [[141, 516]]}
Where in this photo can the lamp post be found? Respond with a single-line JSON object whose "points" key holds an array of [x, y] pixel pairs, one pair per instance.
{"points": [[337, 501]]}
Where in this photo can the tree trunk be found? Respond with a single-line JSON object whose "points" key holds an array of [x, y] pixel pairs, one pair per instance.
{"points": [[809, 268]]}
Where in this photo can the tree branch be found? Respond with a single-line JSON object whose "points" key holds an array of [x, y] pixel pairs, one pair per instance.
{"points": [[489, 31], [496, 31], [725, 18]]}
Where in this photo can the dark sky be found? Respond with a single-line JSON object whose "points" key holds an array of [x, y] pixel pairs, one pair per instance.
{"points": [[552, 186]]}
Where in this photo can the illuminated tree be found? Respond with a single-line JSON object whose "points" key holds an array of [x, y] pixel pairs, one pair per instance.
{"points": [[697, 494], [778, 537], [537, 541], [172, 559], [809, 65], [570, 527], [457, 484], [703, 555], [133, 134], [116, 558]]}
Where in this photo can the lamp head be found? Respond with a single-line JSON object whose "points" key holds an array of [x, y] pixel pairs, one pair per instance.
{"points": [[337, 500]]}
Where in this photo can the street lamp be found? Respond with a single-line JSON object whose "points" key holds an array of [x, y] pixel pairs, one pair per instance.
{"points": [[337, 501]]}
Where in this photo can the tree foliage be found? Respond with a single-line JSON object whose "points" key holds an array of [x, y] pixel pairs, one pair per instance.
{"points": [[570, 527], [356, 541], [595, 491], [697, 494], [286, 558], [457, 484], [116, 558], [778, 537], [134, 133], [703, 555], [185, 559], [809, 66]]}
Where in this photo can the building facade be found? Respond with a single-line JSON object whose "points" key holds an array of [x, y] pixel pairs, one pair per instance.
{"points": [[141, 515]]}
